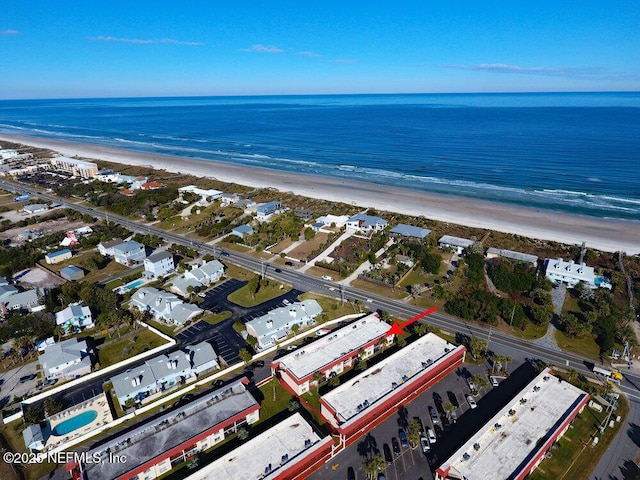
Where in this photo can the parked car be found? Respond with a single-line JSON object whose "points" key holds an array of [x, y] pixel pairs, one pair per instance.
{"points": [[27, 378], [292, 347], [494, 381], [351, 474], [224, 254], [431, 435], [218, 383], [327, 278], [404, 441], [258, 364], [426, 448], [433, 413], [278, 270], [471, 401], [387, 453], [395, 445], [289, 264]]}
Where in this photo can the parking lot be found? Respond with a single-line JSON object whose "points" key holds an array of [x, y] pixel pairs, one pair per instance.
{"points": [[11, 385], [450, 434]]}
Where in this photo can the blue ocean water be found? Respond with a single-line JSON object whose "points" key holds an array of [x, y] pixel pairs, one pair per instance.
{"points": [[576, 152]]}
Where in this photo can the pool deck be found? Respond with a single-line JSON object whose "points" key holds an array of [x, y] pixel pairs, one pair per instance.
{"points": [[98, 403]]}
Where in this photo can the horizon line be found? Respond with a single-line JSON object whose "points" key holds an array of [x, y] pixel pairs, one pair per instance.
{"points": [[546, 92]]}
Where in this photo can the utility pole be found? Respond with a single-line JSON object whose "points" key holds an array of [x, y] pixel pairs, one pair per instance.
{"points": [[341, 294], [488, 338]]}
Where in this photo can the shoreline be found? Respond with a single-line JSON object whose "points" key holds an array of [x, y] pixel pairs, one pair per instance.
{"points": [[602, 234]]}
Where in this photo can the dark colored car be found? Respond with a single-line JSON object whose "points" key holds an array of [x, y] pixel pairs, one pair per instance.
{"points": [[404, 441], [289, 264], [387, 453], [351, 474], [433, 413], [258, 363], [26, 378], [395, 445], [224, 254], [218, 383], [278, 270]]}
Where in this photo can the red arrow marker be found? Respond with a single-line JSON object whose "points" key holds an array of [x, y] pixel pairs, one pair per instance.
{"points": [[397, 327]]}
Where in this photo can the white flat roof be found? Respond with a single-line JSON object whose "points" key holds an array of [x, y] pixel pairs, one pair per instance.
{"points": [[260, 458], [457, 241], [378, 381], [333, 346], [506, 440]]}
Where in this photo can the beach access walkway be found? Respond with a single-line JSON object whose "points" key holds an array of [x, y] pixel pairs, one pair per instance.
{"points": [[325, 254]]}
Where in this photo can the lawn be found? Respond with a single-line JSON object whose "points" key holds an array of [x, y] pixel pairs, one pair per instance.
{"points": [[128, 347], [282, 245], [304, 250], [214, 318], [382, 290], [574, 456], [233, 271], [243, 298], [585, 346], [331, 307], [163, 327], [276, 400]]}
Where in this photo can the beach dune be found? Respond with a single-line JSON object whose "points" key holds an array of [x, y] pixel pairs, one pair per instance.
{"points": [[602, 234]]}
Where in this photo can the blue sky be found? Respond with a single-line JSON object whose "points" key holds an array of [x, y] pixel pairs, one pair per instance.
{"points": [[159, 48]]}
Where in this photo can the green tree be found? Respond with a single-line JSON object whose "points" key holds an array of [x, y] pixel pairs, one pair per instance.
{"points": [[431, 261], [52, 406], [402, 341], [334, 381], [477, 347], [33, 415], [130, 403], [480, 381], [414, 433], [420, 329], [373, 465], [448, 408], [242, 434], [245, 356], [309, 233], [293, 405]]}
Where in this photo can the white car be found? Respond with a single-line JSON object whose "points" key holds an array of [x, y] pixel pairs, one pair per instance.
{"points": [[471, 401], [432, 436], [494, 381], [327, 278], [425, 444]]}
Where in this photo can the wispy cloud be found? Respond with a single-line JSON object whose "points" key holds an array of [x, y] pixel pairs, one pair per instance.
{"points": [[263, 49], [573, 72], [346, 60], [308, 54], [144, 41], [9, 32]]}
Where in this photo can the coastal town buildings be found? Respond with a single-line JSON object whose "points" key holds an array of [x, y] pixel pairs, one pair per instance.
{"points": [[163, 306], [29, 300], [158, 264], [106, 248], [75, 317], [284, 451], [129, 252], [67, 359], [58, 256], [409, 231], [242, 231], [325, 221], [35, 208], [72, 272], [265, 211], [206, 195], [77, 168], [516, 439], [278, 323], [164, 372], [571, 273], [332, 354], [511, 255], [356, 403], [457, 244], [366, 224], [156, 446]]}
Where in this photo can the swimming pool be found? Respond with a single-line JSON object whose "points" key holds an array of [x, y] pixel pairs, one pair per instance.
{"points": [[74, 423], [132, 285]]}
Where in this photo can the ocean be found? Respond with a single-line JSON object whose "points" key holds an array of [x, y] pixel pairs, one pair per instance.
{"points": [[572, 152]]}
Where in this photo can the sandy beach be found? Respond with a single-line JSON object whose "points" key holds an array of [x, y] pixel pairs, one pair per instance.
{"points": [[601, 234]]}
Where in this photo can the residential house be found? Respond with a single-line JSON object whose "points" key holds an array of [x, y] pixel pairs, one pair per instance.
{"points": [[129, 252], [138, 182], [181, 284], [42, 345], [75, 317], [27, 300], [207, 273], [207, 195], [278, 323], [35, 208], [242, 231], [106, 248], [165, 371], [67, 359], [338, 220], [7, 290], [517, 256], [78, 168], [265, 211], [246, 205], [570, 273], [56, 257], [457, 244], [409, 231], [303, 213], [151, 186], [72, 273], [227, 199], [35, 437], [161, 305], [158, 264], [366, 223]]}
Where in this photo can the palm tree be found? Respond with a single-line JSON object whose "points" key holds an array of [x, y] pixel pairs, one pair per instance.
{"points": [[373, 465], [242, 434]]}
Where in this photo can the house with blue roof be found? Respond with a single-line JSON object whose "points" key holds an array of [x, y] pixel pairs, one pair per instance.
{"points": [[409, 231], [56, 257], [266, 210], [364, 223], [129, 252], [242, 231], [72, 273]]}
